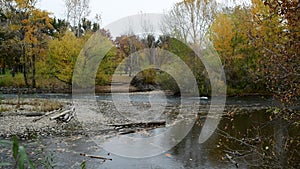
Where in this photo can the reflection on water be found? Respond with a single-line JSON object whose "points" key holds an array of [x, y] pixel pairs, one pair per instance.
{"points": [[251, 139], [243, 137], [250, 132]]}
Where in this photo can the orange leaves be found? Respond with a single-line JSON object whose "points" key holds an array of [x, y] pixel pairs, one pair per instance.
{"points": [[168, 155], [26, 4], [276, 25], [34, 25], [25, 21]]}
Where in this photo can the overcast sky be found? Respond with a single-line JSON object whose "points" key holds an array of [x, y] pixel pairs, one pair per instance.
{"points": [[111, 10]]}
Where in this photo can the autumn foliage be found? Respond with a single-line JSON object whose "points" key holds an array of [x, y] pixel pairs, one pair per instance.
{"points": [[258, 44]]}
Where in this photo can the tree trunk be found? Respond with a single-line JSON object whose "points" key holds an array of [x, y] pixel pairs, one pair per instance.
{"points": [[3, 68], [25, 75], [33, 71], [280, 138], [13, 73]]}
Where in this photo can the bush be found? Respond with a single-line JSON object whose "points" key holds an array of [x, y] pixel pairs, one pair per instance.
{"points": [[7, 80]]}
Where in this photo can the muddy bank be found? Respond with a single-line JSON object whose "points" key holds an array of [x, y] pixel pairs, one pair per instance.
{"points": [[21, 122], [98, 89], [25, 90]]}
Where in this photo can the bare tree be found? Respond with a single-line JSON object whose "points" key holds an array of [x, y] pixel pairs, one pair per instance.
{"points": [[189, 20], [149, 39], [76, 10]]}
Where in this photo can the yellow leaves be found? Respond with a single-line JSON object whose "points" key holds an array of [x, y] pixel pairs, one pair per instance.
{"points": [[258, 8], [29, 38], [30, 23], [188, 1], [239, 56], [222, 34], [14, 27], [266, 26], [26, 4], [41, 19], [63, 54]]}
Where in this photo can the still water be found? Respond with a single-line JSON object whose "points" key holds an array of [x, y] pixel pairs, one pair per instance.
{"points": [[246, 140]]}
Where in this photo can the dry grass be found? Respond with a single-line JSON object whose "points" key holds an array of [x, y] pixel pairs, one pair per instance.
{"points": [[4, 109], [35, 105], [47, 105]]}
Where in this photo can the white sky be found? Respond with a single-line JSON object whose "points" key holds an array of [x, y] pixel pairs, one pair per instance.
{"points": [[111, 10]]}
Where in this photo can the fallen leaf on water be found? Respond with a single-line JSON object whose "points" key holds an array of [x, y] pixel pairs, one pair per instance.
{"points": [[168, 155]]}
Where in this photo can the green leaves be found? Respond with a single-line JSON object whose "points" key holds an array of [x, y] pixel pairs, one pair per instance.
{"points": [[15, 148], [62, 56], [19, 155], [83, 165], [24, 158]]}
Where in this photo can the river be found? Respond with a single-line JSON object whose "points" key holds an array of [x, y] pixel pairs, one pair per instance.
{"points": [[244, 139]]}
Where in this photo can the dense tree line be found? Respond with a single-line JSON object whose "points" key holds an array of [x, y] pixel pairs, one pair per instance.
{"points": [[25, 34], [258, 44]]}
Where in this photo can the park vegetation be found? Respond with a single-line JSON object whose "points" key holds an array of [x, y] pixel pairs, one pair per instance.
{"points": [[258, 44]]}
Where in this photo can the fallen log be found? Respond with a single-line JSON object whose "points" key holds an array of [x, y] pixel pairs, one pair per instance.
{"points": [[29, 114], [47, 114], [128, 132], [33, 114], [62, 113], [141, 124], [52, 112], [93, 156]]}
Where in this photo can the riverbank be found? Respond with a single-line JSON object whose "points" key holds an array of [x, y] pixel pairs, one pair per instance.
{"points": [[22, 120], [123, 88], [251, 122]]}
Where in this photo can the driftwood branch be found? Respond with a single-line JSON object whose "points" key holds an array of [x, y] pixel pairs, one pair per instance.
{"points": [[128, 132], [47, 114], [238, 154], [32, 114], [141, 124], [136, 127], [93, 156], [62, 114], [232, 160]]}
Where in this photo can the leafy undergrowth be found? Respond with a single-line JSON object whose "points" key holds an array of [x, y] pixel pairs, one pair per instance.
{"points": [[18, 156]]}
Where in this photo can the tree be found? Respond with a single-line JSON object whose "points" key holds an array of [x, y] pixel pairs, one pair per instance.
{"points": [[76, 10], [26, 35], [276, 33], [11, 48], [62, 56], [59, 27], [35, 25], [63, 53], [189, 20], [229, 34], [129, 45]]}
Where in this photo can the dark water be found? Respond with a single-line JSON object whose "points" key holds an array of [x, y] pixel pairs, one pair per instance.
{"points": [[250, 140], [256, 130]]}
